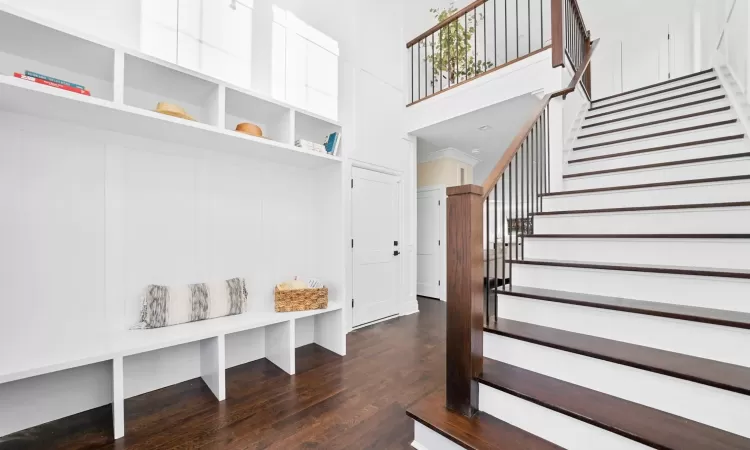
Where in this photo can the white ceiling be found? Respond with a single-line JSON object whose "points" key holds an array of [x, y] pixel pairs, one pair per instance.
{"points": [[462, 132]]}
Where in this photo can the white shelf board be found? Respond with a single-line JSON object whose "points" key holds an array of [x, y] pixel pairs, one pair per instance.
{"points": [[31, 358], [24, 97]]}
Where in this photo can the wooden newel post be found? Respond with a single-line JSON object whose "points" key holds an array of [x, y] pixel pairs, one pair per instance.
{"points": [[558, 38], [465, 298]]}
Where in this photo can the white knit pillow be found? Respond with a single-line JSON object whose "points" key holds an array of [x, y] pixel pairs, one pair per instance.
{"points": [[165, 306]]}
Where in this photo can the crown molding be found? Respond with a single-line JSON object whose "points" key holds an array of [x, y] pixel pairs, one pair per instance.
{"points": [[449, 153]]}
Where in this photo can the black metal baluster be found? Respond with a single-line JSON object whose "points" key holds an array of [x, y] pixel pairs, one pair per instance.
{"points": [[475, 42], [419, 71], [503, 228], [487, 283], [495, 244], [549, 187], [518, 52], [539, 165], [494, 29], [506, 30], [457, 64], [515, 212], [425, 66], [541, 24], [432, 72], [412, 73], [484, 27], [528, 21], [440, 51], [466, 47]]}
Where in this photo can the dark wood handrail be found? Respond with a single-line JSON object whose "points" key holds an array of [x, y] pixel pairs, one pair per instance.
{"points": [[473, 5], [518, 140]]}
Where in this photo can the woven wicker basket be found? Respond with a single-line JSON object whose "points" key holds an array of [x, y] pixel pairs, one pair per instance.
{"points": [[301, 299]]}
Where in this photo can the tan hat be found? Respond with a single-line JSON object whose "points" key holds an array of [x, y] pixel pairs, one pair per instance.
{"points": [[173, 110], [249, 128]]}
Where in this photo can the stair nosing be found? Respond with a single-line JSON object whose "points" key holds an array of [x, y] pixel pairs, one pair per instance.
{"points": [[708, 141], [658, 122], [656, 111], [621, 360], [648, 185], [673, 80], [659, 134], [661, 164], [662, 100], [641, 268], [535, 385], [643, 208], [648, 308], [640, 97]]}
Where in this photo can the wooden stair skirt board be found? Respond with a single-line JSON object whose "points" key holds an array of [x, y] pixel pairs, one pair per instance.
{"points": [[673, 80], [717, 374], [655, 102], [680, 312], [659, 134], [717, 140], [479, 432], [655, 111], [649, 185], [640, 423], [662, 164], [662, 91], [657, 122]]}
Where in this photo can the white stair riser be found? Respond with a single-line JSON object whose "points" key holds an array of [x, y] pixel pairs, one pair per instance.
{"points": [[659, 128], [662, 87], [427, 439], [735, 191], [713, 169], [720, 253], [677, 154], [671, 139], [590, 119], [652, 98], [702, 340], [696, 221], [714, 407], [706, 292], [555, 427], [652, 117]]}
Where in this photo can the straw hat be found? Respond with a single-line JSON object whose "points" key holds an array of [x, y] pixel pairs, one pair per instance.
{"points": [[173, 110], [249, 128]]}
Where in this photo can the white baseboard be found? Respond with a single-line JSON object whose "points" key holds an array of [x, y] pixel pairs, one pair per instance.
{"points": [[410, 307]]}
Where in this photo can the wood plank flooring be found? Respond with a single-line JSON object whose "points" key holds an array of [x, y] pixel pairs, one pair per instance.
{"points": [[358, 401]]}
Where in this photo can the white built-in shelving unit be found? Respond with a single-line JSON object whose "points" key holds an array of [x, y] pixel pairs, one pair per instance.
{"points": [[294, 217]]}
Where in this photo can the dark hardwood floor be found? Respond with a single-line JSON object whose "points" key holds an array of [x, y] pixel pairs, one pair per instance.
{"points": [[352, 402]]}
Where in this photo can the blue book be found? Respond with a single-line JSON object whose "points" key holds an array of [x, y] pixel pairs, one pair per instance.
{"points": [[54, 80], [331, 142]]}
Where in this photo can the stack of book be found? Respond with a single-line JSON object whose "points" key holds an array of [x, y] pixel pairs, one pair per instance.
{"points": [[310, 146], [54, 82]]}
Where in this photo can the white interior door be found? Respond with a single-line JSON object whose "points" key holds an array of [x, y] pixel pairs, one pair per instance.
{"points": [[376, 250], [429, 242]]}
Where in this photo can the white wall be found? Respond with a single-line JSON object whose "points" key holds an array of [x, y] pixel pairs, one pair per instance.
{"points": [[633, 47]]}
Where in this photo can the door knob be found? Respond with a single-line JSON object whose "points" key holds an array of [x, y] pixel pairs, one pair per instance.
{"points": [[396, 253]]}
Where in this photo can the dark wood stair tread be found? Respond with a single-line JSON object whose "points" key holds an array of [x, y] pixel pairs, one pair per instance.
{"points": [[482, 431], [655, 111], [659, 134], [681, 162], [655, 102], [718, 374], [646, 268], [648, 185], [673, 80], [594, 107], [708, 141], [657, 122], [640, 423], [721, 317], [644, 208]]}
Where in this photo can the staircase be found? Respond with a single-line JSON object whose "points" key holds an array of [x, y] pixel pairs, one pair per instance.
{"points": [[627, 322]]}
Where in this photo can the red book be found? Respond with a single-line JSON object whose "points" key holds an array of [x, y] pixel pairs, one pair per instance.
{"points": [[49, 83]]}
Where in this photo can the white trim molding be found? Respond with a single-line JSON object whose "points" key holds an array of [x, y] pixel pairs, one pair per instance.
{"points": [[449, 153]]}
